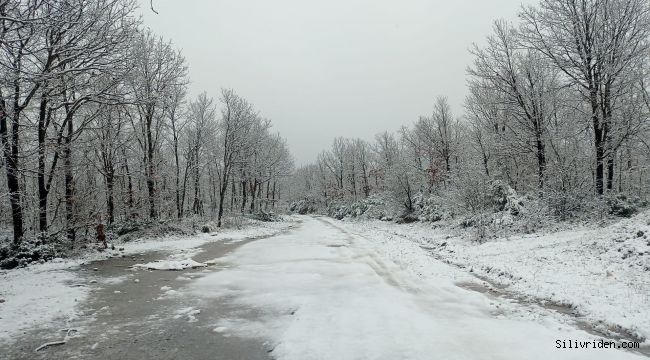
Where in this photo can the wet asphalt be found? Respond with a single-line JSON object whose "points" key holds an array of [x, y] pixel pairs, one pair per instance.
{"points": [[131, 315]]}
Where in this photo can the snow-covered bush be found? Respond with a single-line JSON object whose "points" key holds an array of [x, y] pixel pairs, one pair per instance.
{"points": [[265, 216], [125, 227], [434, 207], [338, 210], [374, 207], [504, 198], [132, 229], [28, 251], [624, 206], [377, 206], [564, 205], [304, 206]]}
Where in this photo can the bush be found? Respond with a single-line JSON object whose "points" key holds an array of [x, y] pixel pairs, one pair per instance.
{"points": [[338, 211], [265, 216], [304, 206], [407, 218], [504, 198], [623, 206], [126, 227], [28, 251], [432, 208], [373, 207]]}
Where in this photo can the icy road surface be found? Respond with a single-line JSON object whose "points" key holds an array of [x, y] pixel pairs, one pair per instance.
{"points": [[325, 294], [315, 292]]}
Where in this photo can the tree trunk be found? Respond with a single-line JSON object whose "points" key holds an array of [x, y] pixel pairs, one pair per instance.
{"points": [[610, 171], [184, 187], [151, 184], [69, 185], [541, 159], [110, 201], [233, 194], [485, 165], [179, 213], [268, 194], [42, 189], [10, 151], [253, 186], [599, 137], [129, 187], [222, 192], [243, 194], [198, 208]]}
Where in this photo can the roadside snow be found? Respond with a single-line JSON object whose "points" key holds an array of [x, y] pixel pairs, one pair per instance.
{"points": [[37, 295], [327, 294], [189, 243], [603, 274]]}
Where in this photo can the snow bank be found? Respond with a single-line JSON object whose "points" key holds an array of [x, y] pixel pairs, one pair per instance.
{"points": [[184, 242], [602, 273], [327, 294]]}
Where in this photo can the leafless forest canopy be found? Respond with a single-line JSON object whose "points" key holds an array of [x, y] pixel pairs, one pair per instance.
{"points": [[96, 127]]}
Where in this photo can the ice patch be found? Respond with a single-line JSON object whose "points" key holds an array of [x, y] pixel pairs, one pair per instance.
{"points": [[171, 265], [188, 312]]}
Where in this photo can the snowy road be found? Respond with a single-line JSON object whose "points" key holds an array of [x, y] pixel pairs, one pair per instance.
{"points": [[326, 294], [315, 292]]}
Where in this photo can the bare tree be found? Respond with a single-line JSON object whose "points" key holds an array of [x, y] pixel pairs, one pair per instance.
{"points": [[526, 85], [158, 70], [593, 43], [238, 119]]}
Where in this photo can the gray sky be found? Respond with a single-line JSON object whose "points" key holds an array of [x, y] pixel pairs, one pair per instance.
{"points": [[321, 69]]}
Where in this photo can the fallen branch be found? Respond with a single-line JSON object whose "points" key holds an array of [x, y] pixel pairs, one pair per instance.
{"points": [[54, 343], [60, 342]]}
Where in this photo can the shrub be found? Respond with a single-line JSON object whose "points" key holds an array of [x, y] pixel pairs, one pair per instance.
{"points": [[623, 206], [28, 251], [304, 206]]}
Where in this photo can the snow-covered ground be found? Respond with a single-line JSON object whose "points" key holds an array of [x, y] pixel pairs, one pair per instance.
{"points": [[328, 293], [40, 293], [373, 290], [603, 274]]}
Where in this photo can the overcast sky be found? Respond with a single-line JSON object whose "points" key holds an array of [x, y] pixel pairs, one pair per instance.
{"points": [[321, 69]]}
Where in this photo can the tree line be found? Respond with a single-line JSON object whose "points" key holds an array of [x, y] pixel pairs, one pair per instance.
{"points": [[96, 126], [557, 108]]}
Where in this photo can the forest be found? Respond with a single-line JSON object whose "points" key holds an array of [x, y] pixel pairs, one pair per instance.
{"points": [[97, 127], [556, 123]]}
